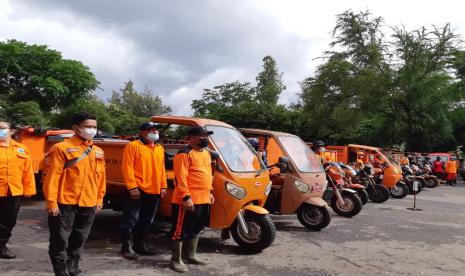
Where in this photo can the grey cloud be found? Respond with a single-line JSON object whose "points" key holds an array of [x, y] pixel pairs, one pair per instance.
{"points": [[177, 43]]}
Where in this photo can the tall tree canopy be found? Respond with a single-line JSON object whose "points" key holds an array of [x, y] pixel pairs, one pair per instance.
{"points": [[385, 91], [243, 105], [37, 73]]}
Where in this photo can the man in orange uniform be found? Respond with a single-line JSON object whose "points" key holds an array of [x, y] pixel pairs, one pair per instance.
{"points": [[451, 171], [318, 148], [143, 169], [192, 197], [16, 180], [74, 187]]}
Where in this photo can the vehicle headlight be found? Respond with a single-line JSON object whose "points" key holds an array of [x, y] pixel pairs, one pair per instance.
{"points": [[235, 190], [301, 186], [268, 189]]}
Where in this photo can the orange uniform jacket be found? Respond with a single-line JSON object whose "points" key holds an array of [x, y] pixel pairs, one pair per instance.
{"points": [[193, 173], [16, 174], [81, 184], [143, 167], [451, 167]]}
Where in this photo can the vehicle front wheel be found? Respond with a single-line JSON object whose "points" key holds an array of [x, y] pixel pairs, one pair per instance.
{"points": [[401, 190], [314, 217], [352, 204], [378, 193], [262, 232]]}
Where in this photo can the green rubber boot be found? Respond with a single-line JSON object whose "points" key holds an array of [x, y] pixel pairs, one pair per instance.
{"points": [[189, 251], [176, 261]]}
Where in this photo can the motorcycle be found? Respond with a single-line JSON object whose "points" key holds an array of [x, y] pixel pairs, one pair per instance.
{"points": [[350, 174], [376, 192], [344, 201], [411, 179]]}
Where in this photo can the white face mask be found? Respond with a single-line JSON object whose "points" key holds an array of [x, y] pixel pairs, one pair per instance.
{"points": [[152, 137], [322, 149], [87, 133], [4, 134]]}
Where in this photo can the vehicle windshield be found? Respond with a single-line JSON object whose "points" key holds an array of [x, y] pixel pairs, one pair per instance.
{"points": [[235, 150], [303, 157], [389, 157]]}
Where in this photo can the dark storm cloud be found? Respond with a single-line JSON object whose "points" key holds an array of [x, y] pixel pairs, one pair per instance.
{"points": [[195, 37]]}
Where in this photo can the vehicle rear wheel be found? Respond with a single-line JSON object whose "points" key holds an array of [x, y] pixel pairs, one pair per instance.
{"points": [[314, 217], [432, 182], [262, 232], [378, 193], [401, 190], [352, 204], [362, 194]]}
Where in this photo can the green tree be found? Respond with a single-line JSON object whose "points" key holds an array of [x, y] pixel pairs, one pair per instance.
{"points": [[27, 113], [37, 73], [242, 105], [91, 105], [382, 91], [141, 104]]}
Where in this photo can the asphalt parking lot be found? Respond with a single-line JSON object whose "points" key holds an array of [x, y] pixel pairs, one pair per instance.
{"points": [[384, 239]]}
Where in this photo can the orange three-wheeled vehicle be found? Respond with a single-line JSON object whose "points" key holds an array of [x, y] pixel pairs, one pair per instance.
{"points": [[298, 177]]}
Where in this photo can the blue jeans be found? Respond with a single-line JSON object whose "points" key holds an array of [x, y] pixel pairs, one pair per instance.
{"points": [[138, 215]]}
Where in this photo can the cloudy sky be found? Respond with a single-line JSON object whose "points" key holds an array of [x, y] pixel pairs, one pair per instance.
{"points": [[178, 48]]}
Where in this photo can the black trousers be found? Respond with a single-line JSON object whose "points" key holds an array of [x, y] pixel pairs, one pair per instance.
{"points": [[187, 225], [138, 215], [9, 207], [68, 233]]}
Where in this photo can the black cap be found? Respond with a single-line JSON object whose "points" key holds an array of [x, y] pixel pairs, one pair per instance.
{"points": [[198, 130], [319, 143], [148, 125]]}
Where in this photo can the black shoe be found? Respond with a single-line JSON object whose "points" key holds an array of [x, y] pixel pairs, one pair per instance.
{"points": [[72, 263], [141, 248], [6, 253], [59, 267], [127, 252]]}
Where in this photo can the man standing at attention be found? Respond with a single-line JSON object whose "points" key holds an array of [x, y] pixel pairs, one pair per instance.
{"points": [[16, 180], [192, 198], [74, 186], [143, 169]]}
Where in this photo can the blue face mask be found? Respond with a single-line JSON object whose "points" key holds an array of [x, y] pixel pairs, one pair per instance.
{"points": [[4, 133]]}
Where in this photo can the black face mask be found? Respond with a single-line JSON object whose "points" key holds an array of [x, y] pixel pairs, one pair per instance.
{"points": [[203, 143]]}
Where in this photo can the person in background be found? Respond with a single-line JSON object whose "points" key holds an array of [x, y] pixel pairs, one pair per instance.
{"points": [[143, 168], [451, 171], [74, 187], [16, 181], [318, 148], [438, 168], [192, 198]]}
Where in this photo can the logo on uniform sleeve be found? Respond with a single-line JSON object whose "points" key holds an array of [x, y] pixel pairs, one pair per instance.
{"points": [[99, 154], [21, 150], [72, 149]]}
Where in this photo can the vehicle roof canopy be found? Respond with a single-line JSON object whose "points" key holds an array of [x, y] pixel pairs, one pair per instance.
{"points": [[185, 120]]}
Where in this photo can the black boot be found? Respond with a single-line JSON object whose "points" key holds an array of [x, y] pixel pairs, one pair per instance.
{"points": [[127, 252], [72, 263], [6, 253], [59, 267], [140, 247]]}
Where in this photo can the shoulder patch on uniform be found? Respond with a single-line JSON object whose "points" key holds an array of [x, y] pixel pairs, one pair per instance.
{"points": [[21, 150], [69, 150], [99, 154], [186, 150]]}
